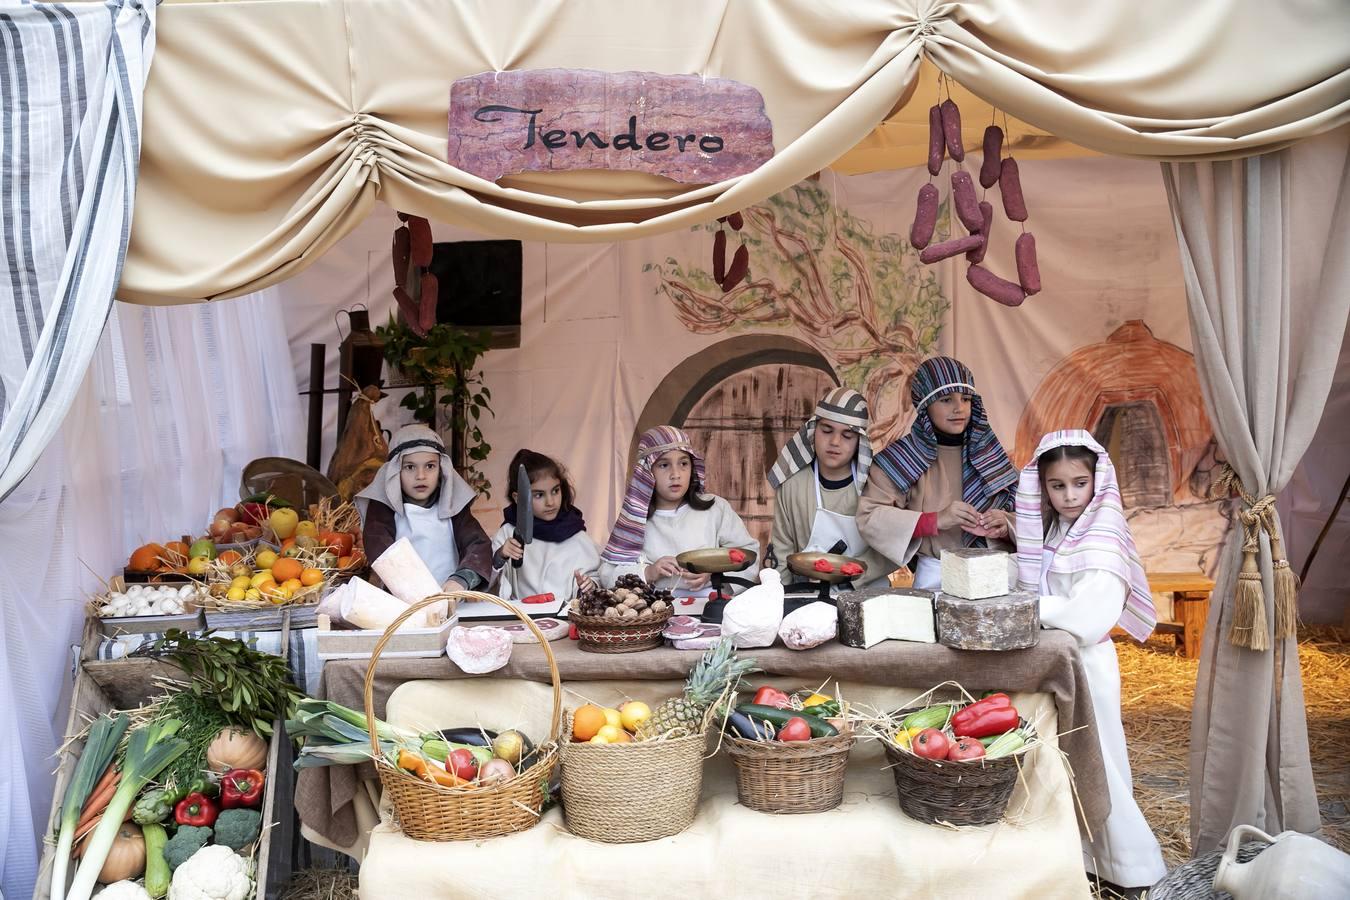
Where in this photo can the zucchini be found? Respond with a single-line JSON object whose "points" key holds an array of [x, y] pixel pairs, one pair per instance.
{"points": [[779, 717], [1005, 744], [928, 717], [157, 874]]}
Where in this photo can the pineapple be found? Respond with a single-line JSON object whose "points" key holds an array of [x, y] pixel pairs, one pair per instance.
{"points": [[710, 677]]}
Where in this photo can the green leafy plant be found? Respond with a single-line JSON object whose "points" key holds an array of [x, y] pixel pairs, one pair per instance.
{"points": [[444, 361]]}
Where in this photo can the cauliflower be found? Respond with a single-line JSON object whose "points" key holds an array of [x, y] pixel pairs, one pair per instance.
{"points": [[213, 873], [123, 890]]}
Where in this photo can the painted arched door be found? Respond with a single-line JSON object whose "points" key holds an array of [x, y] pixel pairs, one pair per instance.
{"points": [[739, 424]]}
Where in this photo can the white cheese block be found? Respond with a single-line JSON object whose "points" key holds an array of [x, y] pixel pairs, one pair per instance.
{"points": [[975, 574], [869, 616]]}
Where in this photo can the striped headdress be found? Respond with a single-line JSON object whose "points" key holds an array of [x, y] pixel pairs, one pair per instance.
{"points": [[1099, 539], [842, 405], [625, 541], [987, 475]]}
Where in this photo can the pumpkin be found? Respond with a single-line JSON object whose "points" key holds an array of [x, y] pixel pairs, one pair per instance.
{"points": [[235, 748], [126, 858], [146, 558]]}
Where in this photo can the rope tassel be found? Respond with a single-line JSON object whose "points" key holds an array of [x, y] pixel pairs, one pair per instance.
{"points": [[1249, 627]]}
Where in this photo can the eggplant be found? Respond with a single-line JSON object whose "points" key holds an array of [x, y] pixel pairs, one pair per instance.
{"points": [[745, 727], [475, 737]]}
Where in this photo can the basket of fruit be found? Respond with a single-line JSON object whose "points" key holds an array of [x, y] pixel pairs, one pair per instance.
{"points": [[639, 779], [626, 619], [434, 803], [790, 752], [956, 762]]}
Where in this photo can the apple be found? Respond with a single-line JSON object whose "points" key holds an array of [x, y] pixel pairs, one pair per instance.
{"points": [[283, 522], [198, 565], [204, 547], [307, 529], [462, 763], [930, 744]]}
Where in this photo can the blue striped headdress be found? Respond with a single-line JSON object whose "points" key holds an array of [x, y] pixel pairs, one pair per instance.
{"points": [[988, 478]]}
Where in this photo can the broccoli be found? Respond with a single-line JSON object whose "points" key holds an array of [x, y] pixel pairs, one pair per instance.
{"points": [[237, 828], [187, 841]]}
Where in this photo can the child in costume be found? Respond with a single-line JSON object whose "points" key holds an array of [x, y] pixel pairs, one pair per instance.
{"points": [[560, 562], [665, 512], [1075, 549], [817, 479], [418, 494], [947, 484]]}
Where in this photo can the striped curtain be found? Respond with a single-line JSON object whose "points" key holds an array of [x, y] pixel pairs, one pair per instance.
{"points": [[71, 81]]}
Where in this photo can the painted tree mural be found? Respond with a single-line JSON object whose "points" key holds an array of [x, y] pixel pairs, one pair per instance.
{"points": [[861, 299]]}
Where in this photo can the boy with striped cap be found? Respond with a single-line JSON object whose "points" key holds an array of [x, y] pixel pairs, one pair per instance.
{"points": [[817, 479]]}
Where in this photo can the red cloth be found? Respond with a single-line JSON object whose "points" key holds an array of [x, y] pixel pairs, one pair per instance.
{"points": [[927, 526]]}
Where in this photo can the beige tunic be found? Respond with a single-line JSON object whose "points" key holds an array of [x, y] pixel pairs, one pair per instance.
{"points": [[887, 516], [794, 511]]}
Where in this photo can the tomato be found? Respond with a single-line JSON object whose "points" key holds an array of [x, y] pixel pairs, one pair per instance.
{"points": [[930, 744], [772, 696], [462, 764], [965, 748], [795, 729]]}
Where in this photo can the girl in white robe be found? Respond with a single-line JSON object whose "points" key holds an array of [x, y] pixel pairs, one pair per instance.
{"points": [[1075, 549], [665, 513], [559, 563]]}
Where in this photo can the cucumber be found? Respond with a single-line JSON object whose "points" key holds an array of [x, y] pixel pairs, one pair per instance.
{"points": [[928, 717], [779, 717], [1005, 744]]}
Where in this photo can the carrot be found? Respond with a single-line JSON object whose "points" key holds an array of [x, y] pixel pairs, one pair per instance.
{"points": [[99, 800], [444, 778]]}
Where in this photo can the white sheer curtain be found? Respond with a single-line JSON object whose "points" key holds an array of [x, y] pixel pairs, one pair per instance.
{"points": [[176, 401]]}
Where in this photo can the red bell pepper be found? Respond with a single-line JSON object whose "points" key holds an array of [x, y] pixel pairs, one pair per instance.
{"points": [[195, 809], [241, 788], [992, 715], [772, 696]]}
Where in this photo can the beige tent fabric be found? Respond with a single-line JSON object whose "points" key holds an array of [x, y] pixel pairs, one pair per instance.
{"points": [[1268, 282], [271, 127]]}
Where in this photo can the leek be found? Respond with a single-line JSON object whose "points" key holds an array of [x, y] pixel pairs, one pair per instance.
{"points": [[99, 747], [149, 750]]}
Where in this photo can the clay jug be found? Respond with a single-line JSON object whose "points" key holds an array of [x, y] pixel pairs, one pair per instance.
{"points": [[1293, 866]]}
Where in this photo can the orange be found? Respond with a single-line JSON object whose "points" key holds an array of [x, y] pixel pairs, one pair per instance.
{"points": [[285, 568], [176, 552], [229, 557], [311, 577], [291, 585], [344, 562], [587, 722]]}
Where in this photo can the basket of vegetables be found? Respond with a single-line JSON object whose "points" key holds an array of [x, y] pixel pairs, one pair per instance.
{"points": [[634, 773], [790, 751], [437, 799], [956, 762], [626, 619]]}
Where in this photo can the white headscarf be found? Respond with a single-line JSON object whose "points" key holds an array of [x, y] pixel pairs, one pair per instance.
{"points": [[387, 488]]}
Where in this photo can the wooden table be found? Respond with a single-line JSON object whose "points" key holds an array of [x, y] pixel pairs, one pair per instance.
{"points": [[1190, 606]]}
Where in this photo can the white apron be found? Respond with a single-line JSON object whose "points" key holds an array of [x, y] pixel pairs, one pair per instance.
{"points": [[829, 528], [432, 537]]}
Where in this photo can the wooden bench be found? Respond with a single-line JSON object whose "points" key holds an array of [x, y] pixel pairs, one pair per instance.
{"points": [[1190, 606]]}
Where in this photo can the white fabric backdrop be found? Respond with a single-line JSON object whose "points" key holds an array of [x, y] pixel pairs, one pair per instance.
{"points": [[175, 402]]}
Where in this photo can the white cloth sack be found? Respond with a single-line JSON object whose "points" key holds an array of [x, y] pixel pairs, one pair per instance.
{"points": [[752, 618], [810, 626]]}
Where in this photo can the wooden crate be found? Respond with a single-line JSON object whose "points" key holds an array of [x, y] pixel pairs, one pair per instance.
{"points": [[103, 685]]}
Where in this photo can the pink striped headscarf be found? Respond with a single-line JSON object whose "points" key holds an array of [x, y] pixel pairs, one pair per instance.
{"points": [[1099, 539], [626, 539]]}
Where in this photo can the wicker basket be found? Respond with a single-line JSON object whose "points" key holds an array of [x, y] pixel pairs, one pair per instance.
{"points": [[1194, 880], [640, 791], [601, 634], [431, 812], [971, 792], [788, 777]]}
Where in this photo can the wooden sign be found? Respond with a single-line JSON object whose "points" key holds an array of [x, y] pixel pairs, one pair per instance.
{"points": [[687, 128]]}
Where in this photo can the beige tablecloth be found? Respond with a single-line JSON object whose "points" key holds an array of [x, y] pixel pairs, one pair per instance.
{"points": [[865, 848], [325, 796]]}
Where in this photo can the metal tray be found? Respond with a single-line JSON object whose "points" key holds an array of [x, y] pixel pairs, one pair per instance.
{"points": [[803, 565], [715, 560], [190, 620]]}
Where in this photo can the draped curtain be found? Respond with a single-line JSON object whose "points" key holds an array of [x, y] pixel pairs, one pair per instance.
{"points": [[1268, 284], [333, 104], [175, 403]]}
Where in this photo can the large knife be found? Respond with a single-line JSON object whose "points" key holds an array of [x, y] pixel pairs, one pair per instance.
{"points": [[524, 511]]}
